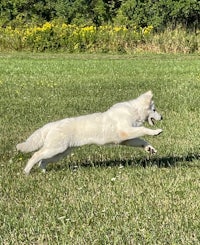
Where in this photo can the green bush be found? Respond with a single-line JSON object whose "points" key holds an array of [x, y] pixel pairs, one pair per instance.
{"points": [[160, 13]]}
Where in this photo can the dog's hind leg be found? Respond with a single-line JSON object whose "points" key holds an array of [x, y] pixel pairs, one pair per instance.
{"points": [[43, 163], [137, 142], [42, 154]]}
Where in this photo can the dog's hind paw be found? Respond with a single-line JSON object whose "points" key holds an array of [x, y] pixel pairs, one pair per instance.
{"points": [[150, 149]]}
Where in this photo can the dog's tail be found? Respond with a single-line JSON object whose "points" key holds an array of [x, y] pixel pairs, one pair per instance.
{"points": [[33, 143]]}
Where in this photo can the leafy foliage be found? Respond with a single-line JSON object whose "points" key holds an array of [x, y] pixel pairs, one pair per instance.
{"points": [[161, 13], [142, 13]]}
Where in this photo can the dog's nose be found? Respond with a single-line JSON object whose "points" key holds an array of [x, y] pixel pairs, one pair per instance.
{"points": [[161, 118]]}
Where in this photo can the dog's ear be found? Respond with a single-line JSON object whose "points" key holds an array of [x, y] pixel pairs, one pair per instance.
{"points": [[147, 98], [149, 94]]}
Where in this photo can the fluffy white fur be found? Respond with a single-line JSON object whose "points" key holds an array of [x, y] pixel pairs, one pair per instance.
{"points": [[121, 124]]}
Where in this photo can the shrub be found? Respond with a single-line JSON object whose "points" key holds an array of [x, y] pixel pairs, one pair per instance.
{"points": [[72, 38], [106, 38]]}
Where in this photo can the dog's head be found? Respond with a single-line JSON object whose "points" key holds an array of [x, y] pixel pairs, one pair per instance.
{"points": [[152, 114]]}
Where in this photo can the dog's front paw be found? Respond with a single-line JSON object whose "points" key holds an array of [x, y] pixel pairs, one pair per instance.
{"points": [[157, 131], [150, 149], [26, 172]]}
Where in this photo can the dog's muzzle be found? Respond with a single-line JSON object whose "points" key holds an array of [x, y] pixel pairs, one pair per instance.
{"points": [[151, 120]]}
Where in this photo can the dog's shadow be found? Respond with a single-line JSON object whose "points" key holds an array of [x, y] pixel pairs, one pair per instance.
{"points": [[169, 161], [161, 162]]}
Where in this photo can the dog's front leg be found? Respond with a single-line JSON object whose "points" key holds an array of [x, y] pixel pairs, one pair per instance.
{"points": [[135, 132], [137, 142]]}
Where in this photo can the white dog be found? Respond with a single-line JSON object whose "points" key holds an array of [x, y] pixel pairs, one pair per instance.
{"points": [[121, 124]]}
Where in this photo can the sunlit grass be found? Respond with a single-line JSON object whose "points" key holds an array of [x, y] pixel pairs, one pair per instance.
{"points": [[100, 195]]}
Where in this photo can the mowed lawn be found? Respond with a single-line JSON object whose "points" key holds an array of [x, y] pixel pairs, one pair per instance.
{"points": [[100, 195]]}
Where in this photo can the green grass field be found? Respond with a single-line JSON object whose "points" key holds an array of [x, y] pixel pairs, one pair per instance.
{"points": [[100, 195]]}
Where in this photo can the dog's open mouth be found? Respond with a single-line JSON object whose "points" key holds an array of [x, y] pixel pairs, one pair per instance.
{"points": [[151, 121]]}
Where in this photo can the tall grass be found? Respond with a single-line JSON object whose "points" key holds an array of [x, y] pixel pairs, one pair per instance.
{"points": [[175, 41], [100, 195]]}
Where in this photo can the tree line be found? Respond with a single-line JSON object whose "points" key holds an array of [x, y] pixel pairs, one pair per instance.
{"points": [[158, 13]]}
